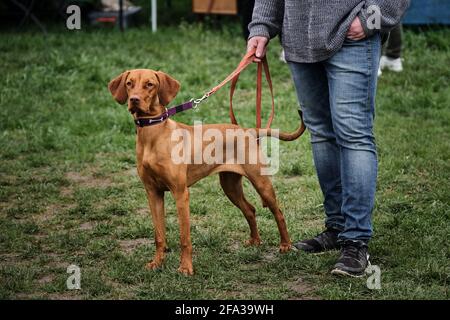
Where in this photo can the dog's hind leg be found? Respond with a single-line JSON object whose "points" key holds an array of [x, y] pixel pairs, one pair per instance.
{"points": [[264, 187], [232, 186]]}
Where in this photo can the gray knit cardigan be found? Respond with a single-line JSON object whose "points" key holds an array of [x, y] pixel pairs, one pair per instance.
{"points": [[313, 30]]}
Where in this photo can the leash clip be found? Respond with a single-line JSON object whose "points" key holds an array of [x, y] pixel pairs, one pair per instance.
{"points": [[196, 102]]}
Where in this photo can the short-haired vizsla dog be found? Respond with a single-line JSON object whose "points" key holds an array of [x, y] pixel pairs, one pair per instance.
{"points": [[148, 93]]}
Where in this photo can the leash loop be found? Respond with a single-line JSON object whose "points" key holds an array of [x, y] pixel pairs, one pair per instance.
{"points": [[263, 65]]}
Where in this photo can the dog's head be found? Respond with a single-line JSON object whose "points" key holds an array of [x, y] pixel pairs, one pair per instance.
{"points": [[145, 90]]}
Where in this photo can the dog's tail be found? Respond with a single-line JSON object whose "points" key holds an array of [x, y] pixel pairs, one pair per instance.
{"points": [[284, 136]]}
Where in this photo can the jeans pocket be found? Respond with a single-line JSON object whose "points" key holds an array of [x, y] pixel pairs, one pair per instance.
{"points": [[347, 39]]}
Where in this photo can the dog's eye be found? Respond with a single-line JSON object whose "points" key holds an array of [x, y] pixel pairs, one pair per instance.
{"points": [[128, 83], [149, 85]]}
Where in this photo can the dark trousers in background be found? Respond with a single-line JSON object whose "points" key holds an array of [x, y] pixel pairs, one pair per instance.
{"points": [[393, 47], [246, 11]]}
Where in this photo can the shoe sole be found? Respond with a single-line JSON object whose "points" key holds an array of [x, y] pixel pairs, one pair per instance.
{"points": [[339, 272], [323, 252], [395, 70], [314, 253]]}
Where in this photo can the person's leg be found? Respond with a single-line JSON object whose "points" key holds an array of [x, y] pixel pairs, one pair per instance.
{"points": [[312, 90], [352, 74], [393, 51], [245, 8], [394, 43]]}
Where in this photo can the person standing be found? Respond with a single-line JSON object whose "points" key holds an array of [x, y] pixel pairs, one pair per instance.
{"points": [[333, 51]]}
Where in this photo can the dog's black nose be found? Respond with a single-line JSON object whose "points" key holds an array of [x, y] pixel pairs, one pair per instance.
{"points": [[134, 100]]}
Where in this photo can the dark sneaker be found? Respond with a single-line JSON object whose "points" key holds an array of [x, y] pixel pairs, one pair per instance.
{"points": [[353, 261], [327, 240]]}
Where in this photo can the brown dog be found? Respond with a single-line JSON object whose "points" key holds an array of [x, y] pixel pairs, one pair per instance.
{"points": [[147, 93]]}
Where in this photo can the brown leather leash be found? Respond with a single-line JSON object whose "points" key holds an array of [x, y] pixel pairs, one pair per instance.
{"points": [[234, 77]]}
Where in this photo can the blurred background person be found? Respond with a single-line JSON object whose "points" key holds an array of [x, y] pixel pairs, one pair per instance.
{"points": [[392, 56], [246, 11]]}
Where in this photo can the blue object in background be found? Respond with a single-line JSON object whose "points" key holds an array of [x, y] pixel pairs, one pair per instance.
{"points": [[428, 12]]}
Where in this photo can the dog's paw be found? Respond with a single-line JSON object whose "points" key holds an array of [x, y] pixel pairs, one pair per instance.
{"points": [[186, 270], [152, 265], [285, 247], [252, 242]]}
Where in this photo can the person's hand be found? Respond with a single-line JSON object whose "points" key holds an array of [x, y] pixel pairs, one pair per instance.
{"points": [[260, 43], [356, 31]]}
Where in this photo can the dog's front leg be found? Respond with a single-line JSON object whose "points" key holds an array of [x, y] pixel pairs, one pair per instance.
{"points": [[182, 201], [156, 204]]}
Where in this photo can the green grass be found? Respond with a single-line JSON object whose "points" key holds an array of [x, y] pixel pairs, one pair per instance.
{"points": [[69, 193]]}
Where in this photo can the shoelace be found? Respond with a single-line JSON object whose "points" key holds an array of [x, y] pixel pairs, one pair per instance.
{"points": [[324, 237], [351, 251]]}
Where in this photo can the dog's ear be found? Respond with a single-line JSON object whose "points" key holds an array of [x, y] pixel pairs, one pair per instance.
{"points": [[168, 88], [118, 88]]}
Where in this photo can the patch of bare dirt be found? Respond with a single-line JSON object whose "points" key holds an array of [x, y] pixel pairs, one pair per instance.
{"points": [[270, 256], [87, 226], [8, 179], [255, 288], [225, 294], [253, 266], [88, 181], [70, 295], [55, 261], [143, 212], [302, 289], [50, 212], [312, 224], [46, 279], [40, 236], [66, 191], [9, 259], [58, 265], [235, 245], [291, 179], [132, 172], [129, 245]]}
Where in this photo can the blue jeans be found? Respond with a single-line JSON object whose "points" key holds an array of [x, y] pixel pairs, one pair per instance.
{"points": [[337, 97]]}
